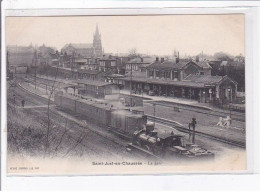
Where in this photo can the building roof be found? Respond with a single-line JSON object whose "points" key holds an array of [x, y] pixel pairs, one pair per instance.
{"points": [[204, 64], [207, 79], [136, 74], [170, 65], [81, 60], [167, 65], [107, 59], [215, 63], [195, 81], [165, 82], [115, 75], [89, 71], [78, 46], [94, 83], [147, 60]]}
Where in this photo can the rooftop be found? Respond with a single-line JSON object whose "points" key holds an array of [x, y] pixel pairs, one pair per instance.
{"points": [[169, 65], [78, 46], [165, 82], [94, 83], [204, 79], [147, 60], [81, 60], [204, 64]]}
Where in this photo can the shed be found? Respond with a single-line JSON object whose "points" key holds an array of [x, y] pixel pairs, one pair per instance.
{"points": [[97, 89]]}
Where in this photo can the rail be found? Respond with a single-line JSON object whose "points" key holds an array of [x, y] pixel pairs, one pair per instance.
{"points": [[235, 116], [183, 129]]}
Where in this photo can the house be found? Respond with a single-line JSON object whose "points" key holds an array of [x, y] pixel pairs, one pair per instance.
{"points": [[190, 80], [91, 74], [86, 63], [176, 70], [107, 63], [138, 64]]}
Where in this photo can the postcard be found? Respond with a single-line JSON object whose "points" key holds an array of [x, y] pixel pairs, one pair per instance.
{"points": [[125, 94]]}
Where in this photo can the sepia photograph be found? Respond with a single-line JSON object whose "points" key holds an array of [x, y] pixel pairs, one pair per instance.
{"points": [[125, 94]]}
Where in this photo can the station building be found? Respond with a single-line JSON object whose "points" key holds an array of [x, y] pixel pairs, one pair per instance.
{"points": [[191, 80], [96, 89]]}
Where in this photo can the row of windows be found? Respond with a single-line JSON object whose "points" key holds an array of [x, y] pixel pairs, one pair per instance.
{"points": [[134, 67], [165, 74]]}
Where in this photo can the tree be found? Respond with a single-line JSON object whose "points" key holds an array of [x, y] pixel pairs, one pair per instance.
{"points": [[133, 53], [222, 56]]}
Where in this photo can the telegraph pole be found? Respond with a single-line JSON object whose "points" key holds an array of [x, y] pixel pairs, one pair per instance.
{"points": [[35, 61], [131, 77], [154, 113]]}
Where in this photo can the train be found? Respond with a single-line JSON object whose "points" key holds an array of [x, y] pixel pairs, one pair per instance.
{"points": [[131, 125], [167, 145], [123, 122]]}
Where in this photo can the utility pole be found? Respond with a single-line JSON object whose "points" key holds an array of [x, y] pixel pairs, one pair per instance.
{"points": [[14, 101], [154, 113], [35, 61], [193, 123], [131, 77]]}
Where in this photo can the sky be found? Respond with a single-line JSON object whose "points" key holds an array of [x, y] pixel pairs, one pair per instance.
{"points": [[159, 35]]}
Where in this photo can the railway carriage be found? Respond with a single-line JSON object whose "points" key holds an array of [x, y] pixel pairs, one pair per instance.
{"points": [[66, 102], [123, 121], [99, 113]]}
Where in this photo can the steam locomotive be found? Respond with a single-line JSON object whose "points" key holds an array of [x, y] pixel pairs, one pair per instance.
{"points": [[166, 145]]}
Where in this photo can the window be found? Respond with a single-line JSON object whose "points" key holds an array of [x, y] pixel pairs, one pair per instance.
{"points": [[202, 73], [175, 74], [151, 73], [167, 74], [157, 73]]}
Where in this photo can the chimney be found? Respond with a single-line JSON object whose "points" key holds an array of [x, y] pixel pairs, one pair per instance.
{"points": [[157, 59], [162, 60], [197, 58], [177, 60]]}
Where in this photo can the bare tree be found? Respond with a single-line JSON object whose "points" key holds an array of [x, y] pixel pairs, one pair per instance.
{"points": [[133, 53], [78, 141], [63, 134], [48, 109]]}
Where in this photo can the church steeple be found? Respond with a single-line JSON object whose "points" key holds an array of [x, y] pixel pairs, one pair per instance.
{"points": [[97, 32], [97, 43]]}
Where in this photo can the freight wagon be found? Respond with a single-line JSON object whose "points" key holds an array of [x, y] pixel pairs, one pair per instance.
{"points": [[98, 113], [122, 121]]}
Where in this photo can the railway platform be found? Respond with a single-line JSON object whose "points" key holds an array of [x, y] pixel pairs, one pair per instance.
{"points": [[186, 102]]}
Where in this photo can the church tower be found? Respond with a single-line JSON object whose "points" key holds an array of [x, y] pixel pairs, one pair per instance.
{"points": [[97, 44]]}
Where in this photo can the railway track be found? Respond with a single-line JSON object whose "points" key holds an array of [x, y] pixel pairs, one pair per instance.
{"points": [[55, 113], [183, 129], [235, 116]]}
